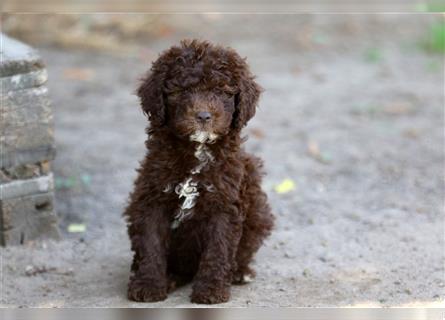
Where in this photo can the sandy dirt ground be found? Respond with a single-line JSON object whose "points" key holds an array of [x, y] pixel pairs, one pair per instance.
{"points": [[352, 114]]}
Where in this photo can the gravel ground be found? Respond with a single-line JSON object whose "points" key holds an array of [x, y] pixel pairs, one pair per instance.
{"points": [[352, 114]]}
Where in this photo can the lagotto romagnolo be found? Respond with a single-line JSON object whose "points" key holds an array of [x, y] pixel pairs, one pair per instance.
{"points": [[197, 212]]}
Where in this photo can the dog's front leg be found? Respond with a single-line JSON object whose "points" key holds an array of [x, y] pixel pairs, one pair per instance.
{"points": [[150, 242], [213, 279]]}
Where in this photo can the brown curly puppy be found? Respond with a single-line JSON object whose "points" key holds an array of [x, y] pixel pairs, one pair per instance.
{"points": [[197, 210]]}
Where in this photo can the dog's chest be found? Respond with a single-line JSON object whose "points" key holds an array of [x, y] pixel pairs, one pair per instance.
{"points": [[190, 188]]}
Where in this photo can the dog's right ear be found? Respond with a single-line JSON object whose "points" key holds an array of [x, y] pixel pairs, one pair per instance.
{"points": [[151, 94]]}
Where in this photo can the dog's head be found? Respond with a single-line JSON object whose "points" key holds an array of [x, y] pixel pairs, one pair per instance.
{"points": [[199, 91]]}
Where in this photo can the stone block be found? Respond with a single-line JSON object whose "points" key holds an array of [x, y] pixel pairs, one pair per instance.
{"points": [[28, 218], [26, 130], [26, 119], [18, 58], [27, 211], [27, 147]]}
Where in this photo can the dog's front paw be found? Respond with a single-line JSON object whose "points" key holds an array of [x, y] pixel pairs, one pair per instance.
{"points": [[210, 295], [244, 276], [142, 291]]}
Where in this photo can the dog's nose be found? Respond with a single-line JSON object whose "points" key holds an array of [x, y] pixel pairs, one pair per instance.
{"points": [[204, 116]]}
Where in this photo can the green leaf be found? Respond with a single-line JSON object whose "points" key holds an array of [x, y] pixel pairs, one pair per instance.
{"points": [[77, 228]]}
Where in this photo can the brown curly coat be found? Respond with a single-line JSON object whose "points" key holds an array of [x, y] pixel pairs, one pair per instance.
{"points": [[214, 237]]}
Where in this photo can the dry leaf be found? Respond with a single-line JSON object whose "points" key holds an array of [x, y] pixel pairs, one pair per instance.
{"points": [[411, 133], [257, 133], [398, 108], [314, 151], [165, 31], [81, 74]]}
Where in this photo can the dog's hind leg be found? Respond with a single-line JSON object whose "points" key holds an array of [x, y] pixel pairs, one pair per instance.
{"points": [[256, 228], [257, 225]]}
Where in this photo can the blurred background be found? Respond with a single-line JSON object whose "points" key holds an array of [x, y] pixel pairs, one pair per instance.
{"points": [[350, 127]]}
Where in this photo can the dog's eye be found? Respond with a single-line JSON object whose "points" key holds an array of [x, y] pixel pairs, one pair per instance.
{"points": [[174, 95], [229, 102], [227, 95]]}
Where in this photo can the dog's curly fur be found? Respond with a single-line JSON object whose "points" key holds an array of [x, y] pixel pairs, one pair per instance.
{"points": [[217, 238]]}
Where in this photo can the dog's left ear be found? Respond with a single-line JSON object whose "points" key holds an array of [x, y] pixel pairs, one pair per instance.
{"points": [[246, 99], [150, 93]]}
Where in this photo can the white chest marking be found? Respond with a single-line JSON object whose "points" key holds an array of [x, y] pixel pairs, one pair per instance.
{"points": [[188, 189]]}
